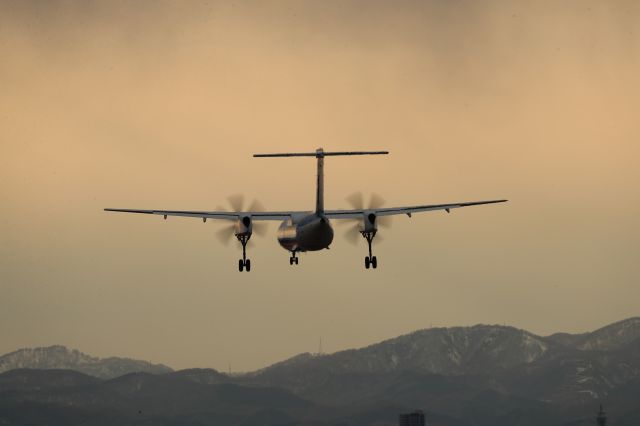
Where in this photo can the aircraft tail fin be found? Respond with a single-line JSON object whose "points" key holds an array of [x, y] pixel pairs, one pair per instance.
{"points": [[320, 154]]}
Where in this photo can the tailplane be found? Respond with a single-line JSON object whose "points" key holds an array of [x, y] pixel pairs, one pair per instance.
{"points": [[320, 154]]}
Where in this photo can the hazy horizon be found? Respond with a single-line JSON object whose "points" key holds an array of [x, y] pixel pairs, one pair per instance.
{"points": [[319, 350], [161, 105]]}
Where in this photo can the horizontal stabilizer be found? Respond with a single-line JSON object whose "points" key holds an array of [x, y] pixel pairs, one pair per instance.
{"points": [[320, 153]]}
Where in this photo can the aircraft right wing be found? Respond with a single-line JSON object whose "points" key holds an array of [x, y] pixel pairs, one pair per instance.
{"points": [[389, 211]]}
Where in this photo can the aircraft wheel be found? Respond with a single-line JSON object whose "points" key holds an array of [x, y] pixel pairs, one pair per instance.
{"points": [[374, 262], [240, 265], [297, 258], [291, 260], [367, 262], [247, 265]]}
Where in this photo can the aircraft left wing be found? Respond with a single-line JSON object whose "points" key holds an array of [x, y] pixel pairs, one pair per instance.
{"points": [[389, 211], [213, 214]]}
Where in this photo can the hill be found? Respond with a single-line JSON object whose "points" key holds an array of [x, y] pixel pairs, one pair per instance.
{"points": [[461, 376], [60, 357]]}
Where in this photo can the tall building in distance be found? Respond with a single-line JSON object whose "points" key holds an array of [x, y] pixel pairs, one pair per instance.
{"points": [[412, 419], [602, 417]]}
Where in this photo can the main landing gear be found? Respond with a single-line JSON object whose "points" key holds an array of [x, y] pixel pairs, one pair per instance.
{"points": [[370, 261], [293, 259], [244, 263]]}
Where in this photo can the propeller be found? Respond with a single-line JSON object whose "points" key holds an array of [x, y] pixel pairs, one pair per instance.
{"points": [[236, 201], [357, 201]]}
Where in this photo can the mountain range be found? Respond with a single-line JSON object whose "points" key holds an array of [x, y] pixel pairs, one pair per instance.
{"points": [[59, 357], [480, 375]]}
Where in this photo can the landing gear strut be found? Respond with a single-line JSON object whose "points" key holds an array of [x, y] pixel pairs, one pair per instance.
{"points": [[244, 263], [370, 261], [293, 259]]}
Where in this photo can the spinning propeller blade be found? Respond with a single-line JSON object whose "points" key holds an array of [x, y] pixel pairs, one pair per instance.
{"points": [[256, 206], [376, 201], [226, 234], [352, 234], [236, 201], [357, 202]]}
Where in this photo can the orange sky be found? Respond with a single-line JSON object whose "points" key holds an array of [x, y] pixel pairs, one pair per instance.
{"points": [[161, 104]]}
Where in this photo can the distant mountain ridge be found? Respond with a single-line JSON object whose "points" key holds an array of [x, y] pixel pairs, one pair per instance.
{"points": [[465, 350], [611, 337], [484, 375], [60, 357], [571, 368], [448, 351]]}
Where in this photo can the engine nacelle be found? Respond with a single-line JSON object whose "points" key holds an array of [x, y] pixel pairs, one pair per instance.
{"points": [[244, 226], [370, 219]]}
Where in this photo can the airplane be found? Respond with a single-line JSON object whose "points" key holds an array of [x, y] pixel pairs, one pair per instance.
{"points": [[303, 231]]}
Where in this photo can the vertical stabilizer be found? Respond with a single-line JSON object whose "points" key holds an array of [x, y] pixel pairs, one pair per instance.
{"points": [[320, 182], [320, 154]]}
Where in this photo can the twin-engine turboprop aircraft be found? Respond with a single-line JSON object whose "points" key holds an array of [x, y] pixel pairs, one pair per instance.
{"points": [[302, 231]]}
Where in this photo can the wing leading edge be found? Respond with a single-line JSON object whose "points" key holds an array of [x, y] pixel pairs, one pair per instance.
{"points": [[212, 215], [332, 214], [350, 214]]}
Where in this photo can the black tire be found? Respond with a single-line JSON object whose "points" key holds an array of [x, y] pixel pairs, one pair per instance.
{"points": [[374, 262], [240, 265], [247, 265], [297, 260], [291, 260], [367, 262]]}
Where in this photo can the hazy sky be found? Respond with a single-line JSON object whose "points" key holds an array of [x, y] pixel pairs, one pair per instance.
{"points": [[161, 105]]}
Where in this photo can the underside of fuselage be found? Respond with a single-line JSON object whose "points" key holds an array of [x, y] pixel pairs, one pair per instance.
{"points": [[311, 232]]}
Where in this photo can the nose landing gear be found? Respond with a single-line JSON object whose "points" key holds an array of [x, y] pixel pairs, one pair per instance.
{"points": [[244, 263], [293, 259], [370, 261]]}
